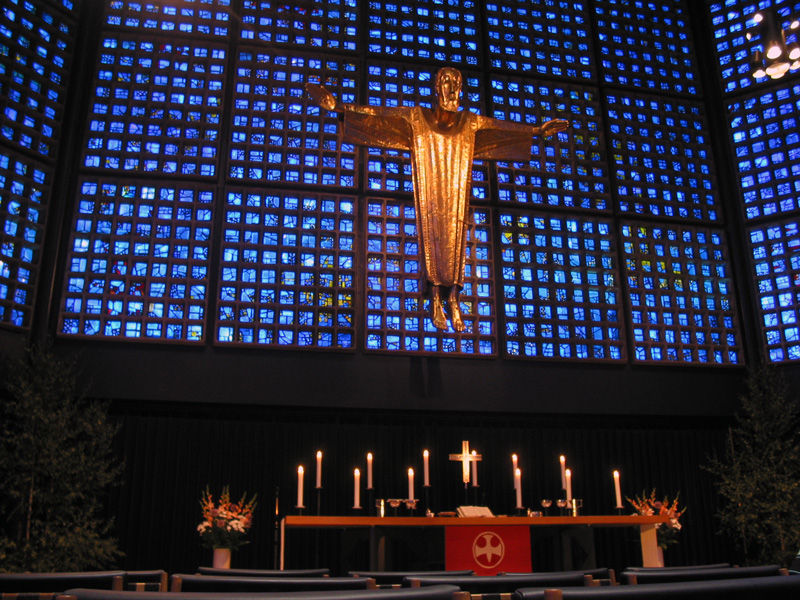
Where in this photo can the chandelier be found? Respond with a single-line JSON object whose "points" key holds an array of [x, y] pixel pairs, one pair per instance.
{"points": [[776, 57]]}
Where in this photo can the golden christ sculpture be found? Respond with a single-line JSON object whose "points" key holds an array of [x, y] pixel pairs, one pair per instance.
{"points": [[443, 142]]}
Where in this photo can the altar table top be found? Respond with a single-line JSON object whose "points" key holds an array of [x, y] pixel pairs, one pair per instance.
{"points": [[601, 520]]}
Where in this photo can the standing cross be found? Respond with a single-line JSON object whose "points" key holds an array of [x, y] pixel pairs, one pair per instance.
{"points": [[465, 457]]}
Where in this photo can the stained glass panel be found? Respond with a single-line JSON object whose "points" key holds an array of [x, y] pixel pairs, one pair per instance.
{"points": [[325, 24], [24, 193], [647, 45], [198, 18], [287, 272], [567, 170], [397, 306], [278, 134], [36, 46], [546, 39], [765, 130], [447, 33], [680, 295], [156, 106], [663, 164], [138, 262], [561, 292], [775, 251]]}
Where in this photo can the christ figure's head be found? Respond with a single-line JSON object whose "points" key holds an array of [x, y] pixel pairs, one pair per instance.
{"points": [[448, 88]]}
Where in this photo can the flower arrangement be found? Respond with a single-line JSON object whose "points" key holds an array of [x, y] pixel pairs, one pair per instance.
{"points": [[667, 533], [225, 525]]}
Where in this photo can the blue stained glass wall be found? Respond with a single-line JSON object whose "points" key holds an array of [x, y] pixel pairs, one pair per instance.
{"points": [[36, 49], [762, 116], [270, 231]]}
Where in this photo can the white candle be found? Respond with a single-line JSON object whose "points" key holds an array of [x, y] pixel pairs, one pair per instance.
{"points": [[617, 489], [356, 489], [426, 468], [563, 460], [369, 470], [300, 487], [319, 469], [474, 469], [568, 477], [514, 466], [411, 484], [518, 486]]}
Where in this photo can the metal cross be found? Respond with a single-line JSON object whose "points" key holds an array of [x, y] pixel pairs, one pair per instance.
{"points": [[465, 457]]}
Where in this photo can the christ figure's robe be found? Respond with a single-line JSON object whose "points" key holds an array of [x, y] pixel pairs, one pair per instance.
{"points": [[441, 161]]}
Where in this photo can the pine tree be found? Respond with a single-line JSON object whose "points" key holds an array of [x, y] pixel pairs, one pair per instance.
{"points": [[760, 474], [57, 463]]}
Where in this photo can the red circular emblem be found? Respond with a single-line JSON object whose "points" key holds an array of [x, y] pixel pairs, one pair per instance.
{"points": [[488, 549]]}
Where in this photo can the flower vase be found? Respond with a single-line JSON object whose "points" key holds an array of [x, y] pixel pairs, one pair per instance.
{"points": [[222, 558]]}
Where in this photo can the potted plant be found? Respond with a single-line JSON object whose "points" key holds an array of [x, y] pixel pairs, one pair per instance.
{"points": [[666, 533], [225, 524]]}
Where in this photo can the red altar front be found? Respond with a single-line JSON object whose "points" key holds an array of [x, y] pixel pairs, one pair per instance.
{"points": [[488, 550]]}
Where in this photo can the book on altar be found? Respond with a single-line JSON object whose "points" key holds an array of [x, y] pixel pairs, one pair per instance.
{"points": [[474, 511]]}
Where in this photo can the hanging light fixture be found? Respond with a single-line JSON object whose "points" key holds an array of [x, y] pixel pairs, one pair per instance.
{"points": [[757, 64], [794, 47], [777, 58]]}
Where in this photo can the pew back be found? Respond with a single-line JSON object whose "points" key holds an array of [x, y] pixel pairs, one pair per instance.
{"points": [[264, 572], [58, 582], [396, 577], [776, 587], [498, 584], [147, 581], [668, 576], [446, 592], [600, 575], [209, 583]]}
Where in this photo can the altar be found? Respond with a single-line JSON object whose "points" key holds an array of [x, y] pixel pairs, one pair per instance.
{"points": [[379, 526]]}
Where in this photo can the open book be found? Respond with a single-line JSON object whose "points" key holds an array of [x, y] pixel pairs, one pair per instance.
{"points": [[474, 511]]}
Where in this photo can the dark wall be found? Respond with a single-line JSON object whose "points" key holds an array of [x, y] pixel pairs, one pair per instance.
{"points": [[334, 380]]}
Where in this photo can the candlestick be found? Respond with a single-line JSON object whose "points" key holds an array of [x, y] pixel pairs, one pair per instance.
{"points": [[319, 469], [617, 490], [369, 470], [563, 460], [425, 469], [411, 484], [356, 489], [299, 487], [568, 477], [474, 470], [518, 486]]}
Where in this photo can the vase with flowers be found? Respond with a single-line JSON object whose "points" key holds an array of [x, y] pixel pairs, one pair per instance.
{"points": [[666, 533], [225, 524]]}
